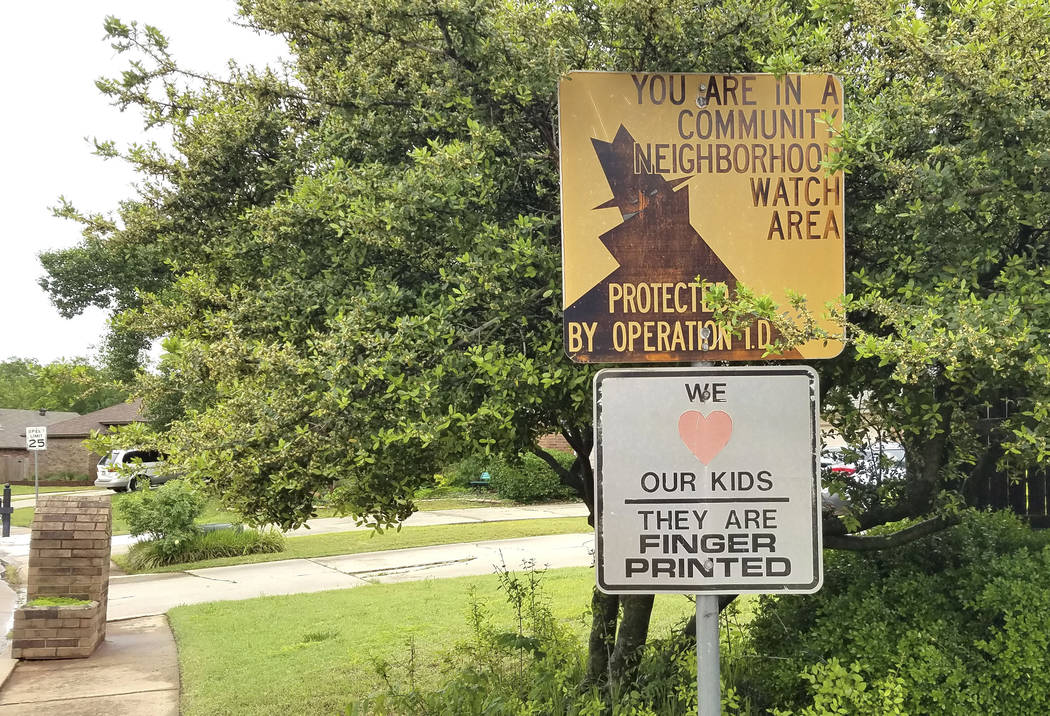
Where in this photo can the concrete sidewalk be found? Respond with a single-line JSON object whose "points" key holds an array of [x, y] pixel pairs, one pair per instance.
{"points": [[134, 672], [150, 594]]}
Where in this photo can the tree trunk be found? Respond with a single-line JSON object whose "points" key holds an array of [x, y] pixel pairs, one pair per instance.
{"points": [[689, 630], [630, 639], [604, 610]]}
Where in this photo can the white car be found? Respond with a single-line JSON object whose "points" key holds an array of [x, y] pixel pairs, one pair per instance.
{"points": [[876, 461], [129, 470], [871, 464]]}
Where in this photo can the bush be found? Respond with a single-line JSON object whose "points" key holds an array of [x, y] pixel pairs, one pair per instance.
{"points": [[462, 473], [67, 476], [166, 514], [958, 622], [529, 479], [148, 555]]}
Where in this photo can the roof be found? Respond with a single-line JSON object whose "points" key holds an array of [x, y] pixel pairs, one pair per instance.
{"points": [[13, 424], [81, 426]]}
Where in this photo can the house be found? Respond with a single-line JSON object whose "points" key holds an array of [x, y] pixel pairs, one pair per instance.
{"points": [[65, 439], [16, 462]]}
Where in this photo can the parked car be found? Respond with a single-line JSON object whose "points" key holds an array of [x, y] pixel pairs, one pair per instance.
{"points": [[871, 462], [130, 470]]}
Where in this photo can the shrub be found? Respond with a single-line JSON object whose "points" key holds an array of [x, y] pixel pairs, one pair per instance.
{"points": [[462, 473], [166, 514], [529, 478], [67, 476], [958, 622], [148, 555]]}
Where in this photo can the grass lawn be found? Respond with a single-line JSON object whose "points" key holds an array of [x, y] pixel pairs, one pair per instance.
{"points": [[458, 498], [24, 490], [325, 545], [461, 503], [314, 653]]}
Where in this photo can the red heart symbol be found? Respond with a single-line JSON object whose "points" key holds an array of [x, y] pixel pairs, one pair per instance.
{"points": [[705, 437]]}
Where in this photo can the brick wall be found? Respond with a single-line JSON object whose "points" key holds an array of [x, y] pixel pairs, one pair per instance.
{"points": [[68, 557], [63, 456], [554, 441], [69, 455], [66, 632]]}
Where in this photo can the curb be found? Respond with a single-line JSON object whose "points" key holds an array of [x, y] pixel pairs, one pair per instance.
{"points": [[7, 664]]}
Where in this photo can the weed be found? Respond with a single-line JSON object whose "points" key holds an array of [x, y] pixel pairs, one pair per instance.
{"points": [[13, 575], [57, 602]]}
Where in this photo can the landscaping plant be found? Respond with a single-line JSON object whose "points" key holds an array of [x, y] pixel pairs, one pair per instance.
{"points": [[528, 478], [534, 668], [956, 623], [151, 554], [166, 514]]}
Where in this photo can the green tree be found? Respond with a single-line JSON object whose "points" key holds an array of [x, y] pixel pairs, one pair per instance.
{"points": [[355, 258], [71, 385], [18, 383]]}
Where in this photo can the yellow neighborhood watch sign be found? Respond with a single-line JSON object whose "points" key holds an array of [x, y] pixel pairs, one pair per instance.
{"points": [[672, 182]]}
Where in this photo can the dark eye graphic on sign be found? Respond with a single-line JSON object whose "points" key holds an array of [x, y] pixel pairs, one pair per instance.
{"points": [[674, 183]]}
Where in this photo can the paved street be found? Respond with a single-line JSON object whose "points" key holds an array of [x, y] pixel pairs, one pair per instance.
{"points": [[15, 549], [448, 517]]}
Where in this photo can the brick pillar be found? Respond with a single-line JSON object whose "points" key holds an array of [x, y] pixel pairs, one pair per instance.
{"points": [[68, 557]]}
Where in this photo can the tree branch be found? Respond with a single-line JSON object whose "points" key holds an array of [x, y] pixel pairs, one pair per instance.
{"points": [[563, 473], [858, 543]]}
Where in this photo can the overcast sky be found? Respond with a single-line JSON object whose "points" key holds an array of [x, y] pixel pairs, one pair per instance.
{"points": [[51, 57]]}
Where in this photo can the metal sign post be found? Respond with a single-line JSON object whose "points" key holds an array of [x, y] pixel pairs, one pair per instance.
{"points": [[708, 659], [708, 643], [36, 440]]}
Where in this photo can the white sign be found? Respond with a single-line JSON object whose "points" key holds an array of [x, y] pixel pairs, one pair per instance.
{"points": [[708, 480], [36, 438]]}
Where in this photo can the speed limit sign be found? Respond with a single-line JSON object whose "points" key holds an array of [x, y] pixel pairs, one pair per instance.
{"points": [[36, 438]]}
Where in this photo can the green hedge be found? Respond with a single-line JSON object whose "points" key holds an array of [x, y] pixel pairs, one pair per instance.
{"points": [[526, 478], [956, 623], [529, 478], [462, 473]]}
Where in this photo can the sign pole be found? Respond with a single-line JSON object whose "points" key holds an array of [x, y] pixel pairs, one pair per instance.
{"points": [[36, 476], [708, 677], [708, 657]]}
